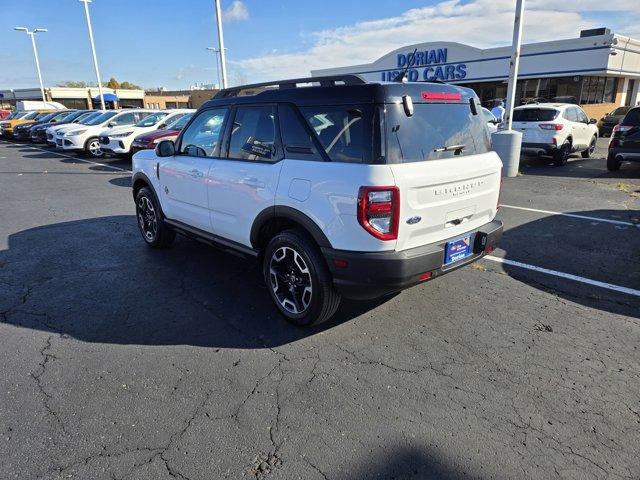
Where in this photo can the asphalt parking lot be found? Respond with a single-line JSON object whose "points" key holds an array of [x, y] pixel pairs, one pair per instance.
{"points": [[121, 362]]}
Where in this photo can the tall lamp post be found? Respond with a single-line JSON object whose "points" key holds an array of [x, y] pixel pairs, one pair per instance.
{"points": [[507, 143], [32, 34], [223, 61], [93, 51], [217, 52]]}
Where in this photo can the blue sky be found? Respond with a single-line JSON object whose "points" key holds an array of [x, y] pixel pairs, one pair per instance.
{"points": [[162, 43]]}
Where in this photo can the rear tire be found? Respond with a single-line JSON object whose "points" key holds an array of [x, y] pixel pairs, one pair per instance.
{"points": [[298, 279], [613, 164], [155, 232], [92, 148], [561, 154], [592, 146]]}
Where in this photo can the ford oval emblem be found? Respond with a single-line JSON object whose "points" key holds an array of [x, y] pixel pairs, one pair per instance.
{"points": [[414, 220]]}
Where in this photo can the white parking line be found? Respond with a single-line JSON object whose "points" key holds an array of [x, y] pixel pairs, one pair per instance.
{"points": [[69, 156], [568, 276], [573, 215]]}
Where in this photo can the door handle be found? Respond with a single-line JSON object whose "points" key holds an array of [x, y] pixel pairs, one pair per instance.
{"points": [[252, 182], [195, 173]]}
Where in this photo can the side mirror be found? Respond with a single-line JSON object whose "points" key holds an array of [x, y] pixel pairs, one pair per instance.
{"points": [[166, 148], [111, 124], [592, 121]]}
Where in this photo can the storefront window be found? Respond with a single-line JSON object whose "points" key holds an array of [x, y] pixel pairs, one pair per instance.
{"points": [[598, 90]]}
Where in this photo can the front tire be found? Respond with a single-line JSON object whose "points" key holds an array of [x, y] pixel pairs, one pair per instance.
{"points": [[155, 232], [561, 155], [592, 146], [92, 148], [298, 279]]}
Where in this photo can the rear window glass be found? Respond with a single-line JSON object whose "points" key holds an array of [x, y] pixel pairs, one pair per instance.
{"points": [[342, 130], [632, 118], [434, 131], [620, 111], [534, 114]]}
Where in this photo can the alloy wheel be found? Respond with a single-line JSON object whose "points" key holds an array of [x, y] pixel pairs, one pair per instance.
{"points": [[147, 219], [94, 148], [290, 280]]}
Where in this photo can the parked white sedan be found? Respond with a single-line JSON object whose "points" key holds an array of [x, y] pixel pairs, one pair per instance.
{"points": [[118, 140]]}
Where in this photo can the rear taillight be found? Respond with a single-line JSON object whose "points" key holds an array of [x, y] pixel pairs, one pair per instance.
{"points": [[379, 211], [551, 126]]}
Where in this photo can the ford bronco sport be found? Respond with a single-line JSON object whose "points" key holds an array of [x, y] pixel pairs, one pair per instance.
{"points": [[337, 186]]}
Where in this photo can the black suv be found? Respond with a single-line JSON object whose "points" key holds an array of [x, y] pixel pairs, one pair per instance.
{"points": [[625, 141]]}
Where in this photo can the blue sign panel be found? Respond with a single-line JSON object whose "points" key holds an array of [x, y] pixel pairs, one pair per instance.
{"points": [[427, 65]]}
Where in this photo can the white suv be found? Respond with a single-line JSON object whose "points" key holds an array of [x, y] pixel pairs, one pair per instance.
{"points": [[345, 188], [84, 138], [555, 129], [118, 140]]}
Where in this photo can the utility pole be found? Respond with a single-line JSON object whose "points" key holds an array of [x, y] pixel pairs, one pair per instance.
{"points": [[93, 51], [221, 44], [32, 34], [514, 63]]}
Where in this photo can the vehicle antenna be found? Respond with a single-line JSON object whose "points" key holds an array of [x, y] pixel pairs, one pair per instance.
{"points": [[401, 76]]}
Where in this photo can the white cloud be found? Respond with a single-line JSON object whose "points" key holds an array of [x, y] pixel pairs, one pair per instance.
{"points": [[237, 11], [481, 23]]}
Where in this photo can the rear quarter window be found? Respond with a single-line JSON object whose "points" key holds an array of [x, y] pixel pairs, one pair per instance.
{"points": [[632, 118]]}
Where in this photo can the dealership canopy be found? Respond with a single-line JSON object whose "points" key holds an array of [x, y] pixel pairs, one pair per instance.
{"points": [[108, 97]]}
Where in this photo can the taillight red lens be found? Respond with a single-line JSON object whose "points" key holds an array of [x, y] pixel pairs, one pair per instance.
{"points": [[379, 211], [551, 126]]}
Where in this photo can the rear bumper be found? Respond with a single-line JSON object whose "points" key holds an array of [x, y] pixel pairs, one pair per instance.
{"points": [[537, 148], [625, 154], [374, 274]]}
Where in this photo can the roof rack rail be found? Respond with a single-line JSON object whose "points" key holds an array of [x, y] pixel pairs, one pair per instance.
{"points": [[327, 81]]}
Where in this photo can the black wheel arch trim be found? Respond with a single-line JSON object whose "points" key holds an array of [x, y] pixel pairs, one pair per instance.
{"points": [[289, 213], [144, 178]]}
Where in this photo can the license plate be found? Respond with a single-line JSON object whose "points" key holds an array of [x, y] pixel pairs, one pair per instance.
{"points": [[456, 250]]}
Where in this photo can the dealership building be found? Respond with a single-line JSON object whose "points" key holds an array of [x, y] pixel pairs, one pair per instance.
{"points": [[599, 70]]}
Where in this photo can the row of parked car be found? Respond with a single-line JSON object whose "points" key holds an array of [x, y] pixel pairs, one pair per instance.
{"points": [[96, 132]]}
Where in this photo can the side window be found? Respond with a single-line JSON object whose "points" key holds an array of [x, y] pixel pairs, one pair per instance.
{"points": [[570, 114], [202, 136], [340, 130], [253, 134], [582, 117], [297, 141], [125, 119]]}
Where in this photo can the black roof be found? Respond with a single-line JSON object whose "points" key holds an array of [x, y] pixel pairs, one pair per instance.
{"points": [[336, 90]]}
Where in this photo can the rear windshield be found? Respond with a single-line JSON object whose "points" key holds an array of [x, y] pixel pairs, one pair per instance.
{"points": [[620, 111], [434, 131], [534, 114], [632, 118]]}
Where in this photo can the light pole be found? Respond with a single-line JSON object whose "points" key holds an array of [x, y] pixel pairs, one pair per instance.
{"points": [[221, 43], [93, 51], [217, 51], [32, 34], [507, 143]]}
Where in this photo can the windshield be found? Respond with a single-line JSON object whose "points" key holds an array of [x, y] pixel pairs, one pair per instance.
{"points": [[179, 123], [29, 116], [47, 117], [103, 117], [534, 114], [87, 116], [434, 131], [620, 111], [151, 120]]}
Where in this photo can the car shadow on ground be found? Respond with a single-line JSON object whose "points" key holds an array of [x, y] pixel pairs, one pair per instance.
{"points": [[96, 280], [599, 251], [577, 167]]}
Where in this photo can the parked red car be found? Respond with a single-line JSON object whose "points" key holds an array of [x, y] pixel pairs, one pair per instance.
{"points": [[4, 114], [149, 140]]}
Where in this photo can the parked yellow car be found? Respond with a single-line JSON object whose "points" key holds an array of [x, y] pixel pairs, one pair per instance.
{"points": [[6, 126]]}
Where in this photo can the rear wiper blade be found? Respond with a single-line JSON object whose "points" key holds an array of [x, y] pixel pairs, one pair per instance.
{"points": [[449, 148]]}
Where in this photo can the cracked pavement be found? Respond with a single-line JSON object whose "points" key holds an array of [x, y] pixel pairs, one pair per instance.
{"points": [[119, 362]]}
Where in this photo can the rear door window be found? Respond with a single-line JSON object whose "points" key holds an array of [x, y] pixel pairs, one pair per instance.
{"points": [[253, 133], [434, 131], [297, 141], [125, 119], [534, 114], [342, 130]]}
